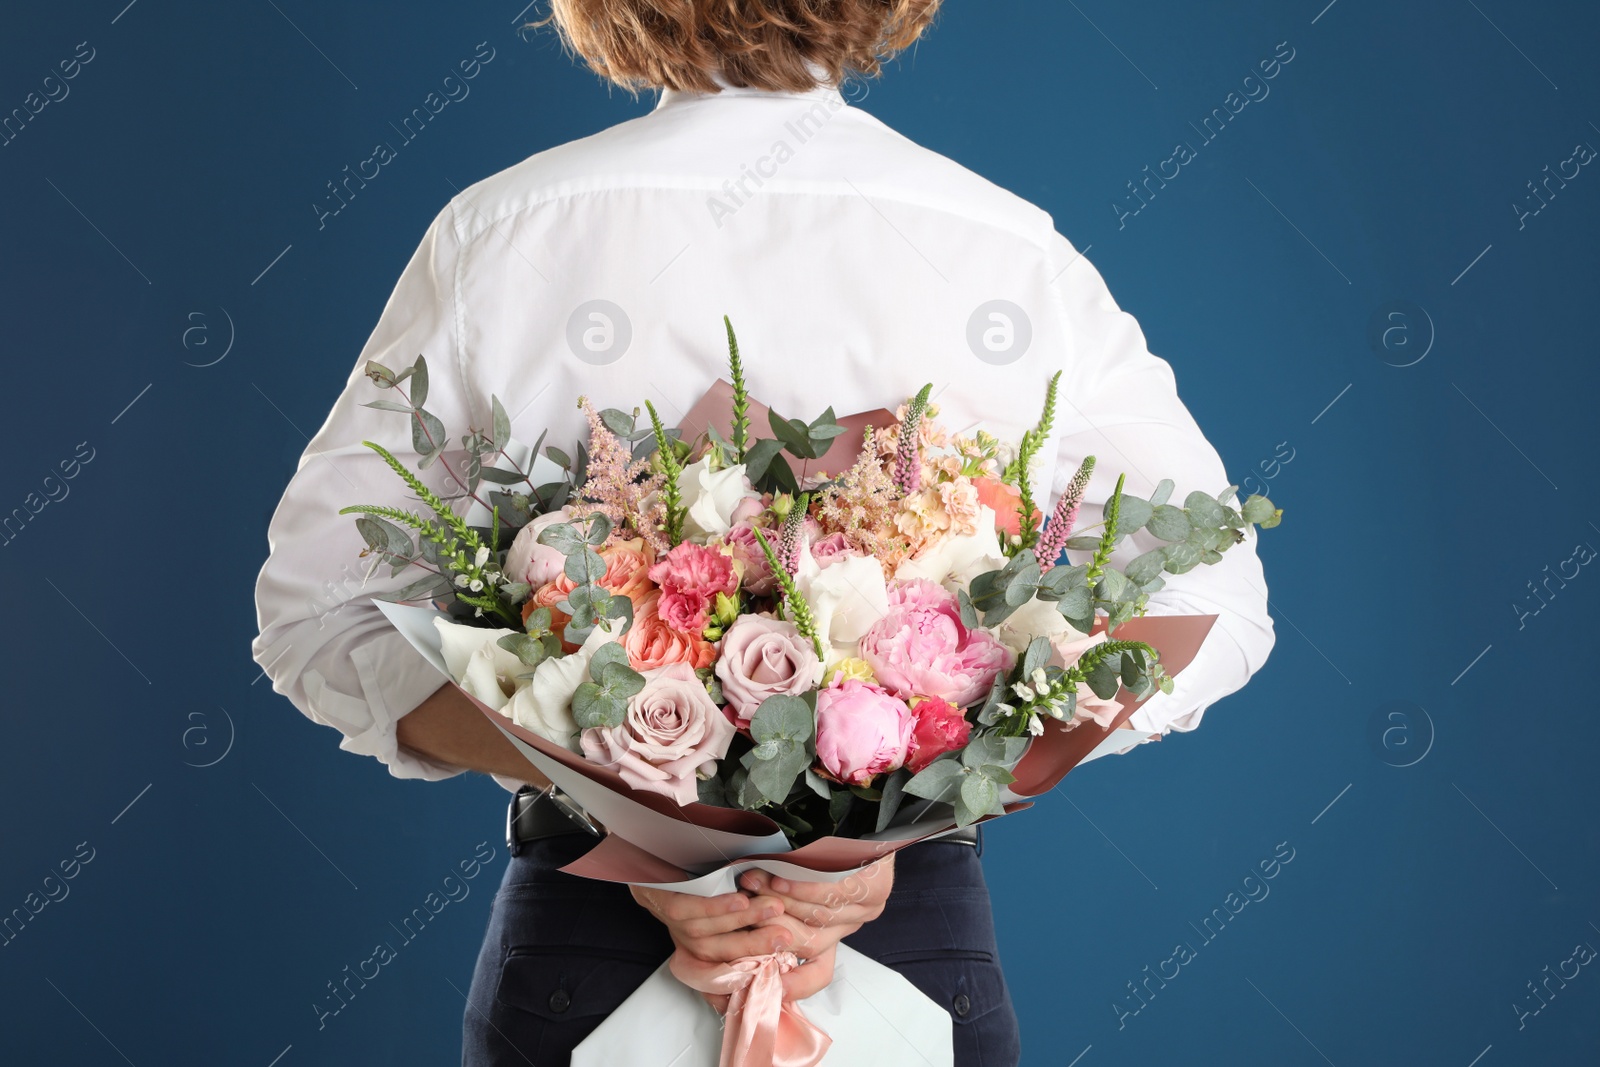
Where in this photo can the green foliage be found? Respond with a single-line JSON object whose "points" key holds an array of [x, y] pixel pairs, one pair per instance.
{"points": [[782, 730], [794, 603]]}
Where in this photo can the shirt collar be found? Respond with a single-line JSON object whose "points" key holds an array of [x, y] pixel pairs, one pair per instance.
{"points": [[672, 97]]}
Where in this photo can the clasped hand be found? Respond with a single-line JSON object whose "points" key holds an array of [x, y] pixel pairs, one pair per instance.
{"points": [[774, 914]]}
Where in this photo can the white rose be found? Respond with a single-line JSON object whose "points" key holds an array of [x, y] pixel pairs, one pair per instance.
{"points": [[710, 497], [477, 663], [544, 705], [846, 598], [960, 558]]}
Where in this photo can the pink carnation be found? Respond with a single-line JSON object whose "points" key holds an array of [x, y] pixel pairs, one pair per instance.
{"points": [[690, 577], [862, 731], [920, 646], [940, 727]]}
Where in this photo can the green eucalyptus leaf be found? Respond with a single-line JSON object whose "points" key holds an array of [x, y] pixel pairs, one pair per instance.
{"points": [[818, 784], [1132, 514], [969, 614], [1203, 510], [1180, 558], [939, 780], [894, 792], [618, 422], [500, 424], [584, 566], [1257, 509], [758, 456], [1163, 492], [419, 384], [558, 457], [782, 716], [610, 652], [499, 477], [593, 706], [530, 650], [427, 434], [1143, 568], [1169, 523], [1084, 542]]}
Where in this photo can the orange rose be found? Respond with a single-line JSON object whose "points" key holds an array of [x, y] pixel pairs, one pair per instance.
{"points": [[651, 643], [1006, 503], [627, 567]]}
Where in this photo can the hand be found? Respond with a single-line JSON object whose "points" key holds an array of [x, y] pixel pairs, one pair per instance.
{"points": [[819, 914], [718, 929]]}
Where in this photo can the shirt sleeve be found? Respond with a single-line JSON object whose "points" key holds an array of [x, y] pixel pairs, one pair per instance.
{"points": [[1119, 403], [322, 641]]}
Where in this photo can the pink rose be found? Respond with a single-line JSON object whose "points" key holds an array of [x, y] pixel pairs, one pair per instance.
{"points": [[1069, 649], [920, 646], [758, 577], [831, 549], [690, 577], [862, 731], [529, 561], [747, 509], [940, 727], [762, 657], [671, 730]]}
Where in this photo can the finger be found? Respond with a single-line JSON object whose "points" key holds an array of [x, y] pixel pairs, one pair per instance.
{"points": [[725, 948], [809, 978], [824, 915], [760, 910], [681, 907]]}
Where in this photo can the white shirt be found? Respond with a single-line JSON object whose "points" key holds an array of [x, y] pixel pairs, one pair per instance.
{"points": [[855, 265]]}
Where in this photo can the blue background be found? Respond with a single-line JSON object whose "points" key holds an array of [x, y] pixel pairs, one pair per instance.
{"points": [[1441, 858]]}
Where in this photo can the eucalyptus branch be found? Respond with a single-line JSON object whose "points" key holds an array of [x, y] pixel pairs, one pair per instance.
{"points": [[465, 489], [671, 494], [793, 601], [741, 399]]}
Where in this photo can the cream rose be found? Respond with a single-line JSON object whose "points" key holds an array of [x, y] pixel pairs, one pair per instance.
{"points": [[670, 731]]}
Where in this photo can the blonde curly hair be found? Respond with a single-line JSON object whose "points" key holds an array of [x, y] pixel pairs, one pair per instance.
{"points": [[776, 45]]}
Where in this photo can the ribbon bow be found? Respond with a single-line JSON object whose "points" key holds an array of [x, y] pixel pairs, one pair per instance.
{"points": [[760, 1027]]}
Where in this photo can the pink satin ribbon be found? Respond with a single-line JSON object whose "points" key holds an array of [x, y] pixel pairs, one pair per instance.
{"points": [[760, 1028]]}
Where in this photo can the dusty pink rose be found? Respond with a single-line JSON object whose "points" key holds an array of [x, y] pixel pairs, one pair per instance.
{"points": [[747, 509], [940, 727], [758, 577], [671, 730], [920, 646], [529, 561], [1068, 650], [762, 657], [831, 549], [690, 577], [862, 731]]}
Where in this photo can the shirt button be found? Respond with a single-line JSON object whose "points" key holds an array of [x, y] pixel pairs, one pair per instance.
{"points": [[560, 1001], [962, 1004]]}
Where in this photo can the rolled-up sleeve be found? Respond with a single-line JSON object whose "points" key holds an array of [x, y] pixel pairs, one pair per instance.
{"points": [[1119, 403], [322, 642]]}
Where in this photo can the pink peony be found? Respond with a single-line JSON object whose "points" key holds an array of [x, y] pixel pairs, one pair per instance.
{"points": [[529, 561], [690, 577], [921, 647], [862, 731], [940, 727], [671, 730], [762, 657], [758, 577], [831, 549]]}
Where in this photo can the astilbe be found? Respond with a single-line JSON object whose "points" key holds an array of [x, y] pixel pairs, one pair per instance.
{"points": [[863, 505], [1054, 538], [618, 485]]}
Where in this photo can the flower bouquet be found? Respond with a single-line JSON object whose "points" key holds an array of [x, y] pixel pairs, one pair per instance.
{"points": [[799, 649]]}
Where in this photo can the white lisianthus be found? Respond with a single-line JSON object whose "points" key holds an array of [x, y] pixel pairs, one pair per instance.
{"points": [[710, 497], [544, 705], [958, 559], [477, 663], [846, 599]]}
